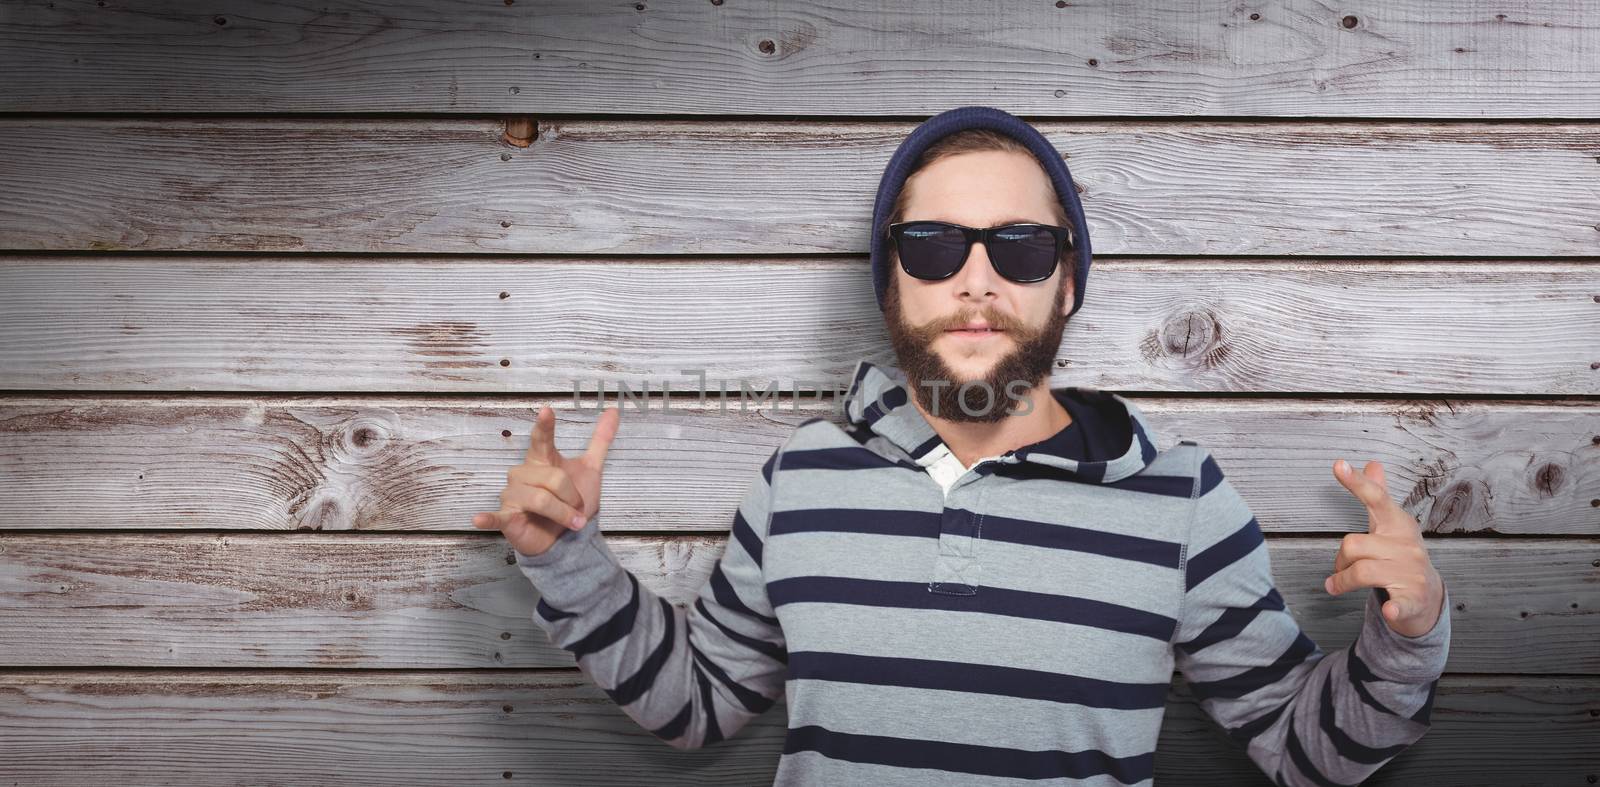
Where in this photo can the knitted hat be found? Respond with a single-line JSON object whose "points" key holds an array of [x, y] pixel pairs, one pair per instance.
{"points": [[959, 119]]}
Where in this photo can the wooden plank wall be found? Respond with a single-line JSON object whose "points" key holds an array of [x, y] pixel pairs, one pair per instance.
{"points": [[282, 286]]}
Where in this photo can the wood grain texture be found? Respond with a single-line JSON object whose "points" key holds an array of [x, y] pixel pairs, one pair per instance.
{"points": [[334, 463], [746, 186], [1418, 58], [267, 345], [288, 324], [473, 727], [399, 601]]}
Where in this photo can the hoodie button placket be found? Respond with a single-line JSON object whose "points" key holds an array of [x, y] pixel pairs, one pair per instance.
{"points": [[956, 570]]}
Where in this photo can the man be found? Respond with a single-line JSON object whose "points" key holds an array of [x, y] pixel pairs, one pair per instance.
{"points": [[978, 579]]}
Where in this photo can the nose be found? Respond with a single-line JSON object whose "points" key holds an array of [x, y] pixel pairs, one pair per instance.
{"points": [[977, 279]]}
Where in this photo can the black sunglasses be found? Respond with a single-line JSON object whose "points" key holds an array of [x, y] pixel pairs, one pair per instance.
{"points": [[933, 250]]}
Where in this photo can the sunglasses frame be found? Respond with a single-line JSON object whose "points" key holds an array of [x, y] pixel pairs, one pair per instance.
{"points": [[1063, 238]]}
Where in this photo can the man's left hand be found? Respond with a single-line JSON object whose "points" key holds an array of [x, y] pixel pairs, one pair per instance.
{"points": [[1390, 555]]}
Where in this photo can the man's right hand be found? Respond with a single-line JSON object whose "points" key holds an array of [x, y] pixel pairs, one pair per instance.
{"points": [[549, 493]]}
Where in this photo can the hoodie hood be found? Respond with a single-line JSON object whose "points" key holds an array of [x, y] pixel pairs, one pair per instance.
{"points": [[907, 156], [879, 401]]}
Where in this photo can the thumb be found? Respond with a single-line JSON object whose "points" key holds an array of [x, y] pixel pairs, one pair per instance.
{"points": [[496, 520]]}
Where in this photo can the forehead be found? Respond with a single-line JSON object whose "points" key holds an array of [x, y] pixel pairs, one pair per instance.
{"points": [[981, 189]]}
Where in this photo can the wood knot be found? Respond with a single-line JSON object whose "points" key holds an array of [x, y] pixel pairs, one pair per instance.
{"points": [[358, 439], [1548, 478], [1194, 338], [1452, 507]]}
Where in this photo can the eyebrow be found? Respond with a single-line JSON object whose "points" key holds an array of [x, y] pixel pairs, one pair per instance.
{"points": [[999, 223]]}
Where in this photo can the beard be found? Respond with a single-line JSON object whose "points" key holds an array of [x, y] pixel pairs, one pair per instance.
{"points": [[985, 399]]}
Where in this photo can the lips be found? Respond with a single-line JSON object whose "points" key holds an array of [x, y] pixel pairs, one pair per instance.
{"points": [[975, 333]]}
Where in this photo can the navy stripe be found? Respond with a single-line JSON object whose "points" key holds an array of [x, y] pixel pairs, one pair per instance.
{"points": [[635, 687], [891, 522], [1358, 673], [619, 625], [889, 400], [1348, 747], [977, 678], [751, 699], [927, 524], [746, 536], [1247, 731], [1023, 470], [1147, 448], [850, 458], [775, 652], [551, 613], [1210, 475], [766, 467], [1297, 755], [991, 601], [1078, 539], [1224, 553], [968, 758], [862, 368], [927, 445], [1243, 683], [722, 589], [1089, 472], [679, 723], [1426, 711], [713, 730], [1163, 485], [895, 397], [1232, 622]]}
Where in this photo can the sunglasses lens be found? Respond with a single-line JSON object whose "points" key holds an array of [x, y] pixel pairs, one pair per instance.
{"points": [[931, 251], [1024, 253]]}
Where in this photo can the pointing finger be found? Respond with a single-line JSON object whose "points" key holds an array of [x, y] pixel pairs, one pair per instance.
{"points": [[605, 430], [1387, 515], [542, 443], [1368, 486]]}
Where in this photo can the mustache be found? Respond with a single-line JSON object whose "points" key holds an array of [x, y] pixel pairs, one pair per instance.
{"points": [[994, 318]]}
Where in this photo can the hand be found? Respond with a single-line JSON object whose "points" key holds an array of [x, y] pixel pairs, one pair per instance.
{"points": [[1390, 555], [549, 493]]}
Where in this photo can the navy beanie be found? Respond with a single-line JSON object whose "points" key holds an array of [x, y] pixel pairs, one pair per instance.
{"points": [[959, 119]]}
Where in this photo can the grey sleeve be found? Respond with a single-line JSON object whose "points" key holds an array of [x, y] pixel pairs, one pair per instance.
{"points": [[691, 676], [1304, 716]]}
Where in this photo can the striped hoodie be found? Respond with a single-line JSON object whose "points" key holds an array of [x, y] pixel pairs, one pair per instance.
{"points": [[1020, 628]]}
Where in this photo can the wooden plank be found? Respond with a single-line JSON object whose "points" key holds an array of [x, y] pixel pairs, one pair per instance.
{"points": [[392, 601], [287, 324], [1424, 58], [474, 727], [776, 187], [426, 463]]}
